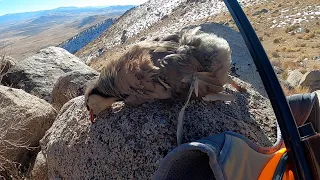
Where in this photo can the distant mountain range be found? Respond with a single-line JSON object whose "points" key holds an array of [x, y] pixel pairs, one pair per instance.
{"points": [[25, 33], [74, 12]]}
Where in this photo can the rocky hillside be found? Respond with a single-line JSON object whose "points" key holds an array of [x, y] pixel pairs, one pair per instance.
{"points": [[288, 30], [151, 19], [23, 34], [77, 42]]}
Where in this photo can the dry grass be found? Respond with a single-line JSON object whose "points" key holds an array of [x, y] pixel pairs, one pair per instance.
{"points": [[300, 37], [284, 74], [267, 34], [290, 49], [261, 38], [303, 71], [314, 65], [303, 57], [277, 40], [301, 44], [291, 28], [13, 123], [8, 127], [309, 36], [275, 54], [316, 45], [2, 66], [295, 90], [289, 65], [275, 62], [2, 60], [288, 55]]}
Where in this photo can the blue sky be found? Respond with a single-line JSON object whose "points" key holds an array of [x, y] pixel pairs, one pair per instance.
{"points": [[15, 6]]}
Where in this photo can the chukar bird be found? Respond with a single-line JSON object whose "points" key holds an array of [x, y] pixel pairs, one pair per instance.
{"points": [[164, 69]]}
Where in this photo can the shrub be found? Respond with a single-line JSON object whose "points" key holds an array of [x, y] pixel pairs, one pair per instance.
{"points": [[292, 28], [289, 65], [309, 36], [277, 40], [275, 54], [295, 90]]}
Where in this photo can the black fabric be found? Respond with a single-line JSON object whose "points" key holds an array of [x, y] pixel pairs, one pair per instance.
{"points": [[192, 165], [312, 149], [281, 168], [96, 91], [306, 130], [306, 110], [304, 105]]}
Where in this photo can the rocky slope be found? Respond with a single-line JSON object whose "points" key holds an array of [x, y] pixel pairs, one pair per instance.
{"points": [[175, 13], [80, 40], [23, 34], [288, 30]]}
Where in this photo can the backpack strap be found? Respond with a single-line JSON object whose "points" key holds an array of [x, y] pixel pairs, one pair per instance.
{"points": [[312, 149], [223, 156], [306, 111]]}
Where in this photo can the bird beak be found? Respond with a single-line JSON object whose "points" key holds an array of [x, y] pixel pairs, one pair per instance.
{"points": [[92, 116]]}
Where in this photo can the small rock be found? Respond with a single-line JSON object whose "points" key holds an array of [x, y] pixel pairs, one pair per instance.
{"points": [[277, 70], [164, 17], [299, 30], [260, 12], [142, 39], [40, 168], [285, 84], [317, 58], [294, 77], [71, 85], [124, 36], [311, 79]]}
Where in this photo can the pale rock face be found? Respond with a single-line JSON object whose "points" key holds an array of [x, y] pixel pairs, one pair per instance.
{"points": [[38, 74], [40, 168], [24, 120], [143, 17], [311, 79], [71, 85], [294, 77]]}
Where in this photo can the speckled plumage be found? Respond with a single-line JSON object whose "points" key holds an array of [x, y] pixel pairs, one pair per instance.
{"points": [[164, 69]]}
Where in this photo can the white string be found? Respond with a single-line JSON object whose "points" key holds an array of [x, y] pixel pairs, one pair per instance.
{"points": [[182, 111]]}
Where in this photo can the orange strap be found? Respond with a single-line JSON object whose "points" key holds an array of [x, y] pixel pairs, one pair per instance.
{"points": [[269, 170]]}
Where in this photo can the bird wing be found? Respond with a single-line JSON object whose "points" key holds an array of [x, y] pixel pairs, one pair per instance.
{"points": [[175, 67], [138, 77]]}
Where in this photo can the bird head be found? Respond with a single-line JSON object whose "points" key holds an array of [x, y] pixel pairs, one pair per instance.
{"points": [[96, 101]]}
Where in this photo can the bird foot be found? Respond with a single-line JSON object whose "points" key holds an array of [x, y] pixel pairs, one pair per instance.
{"points": [[236, 86], [165, 85], [219, 96], [203, 79]]}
